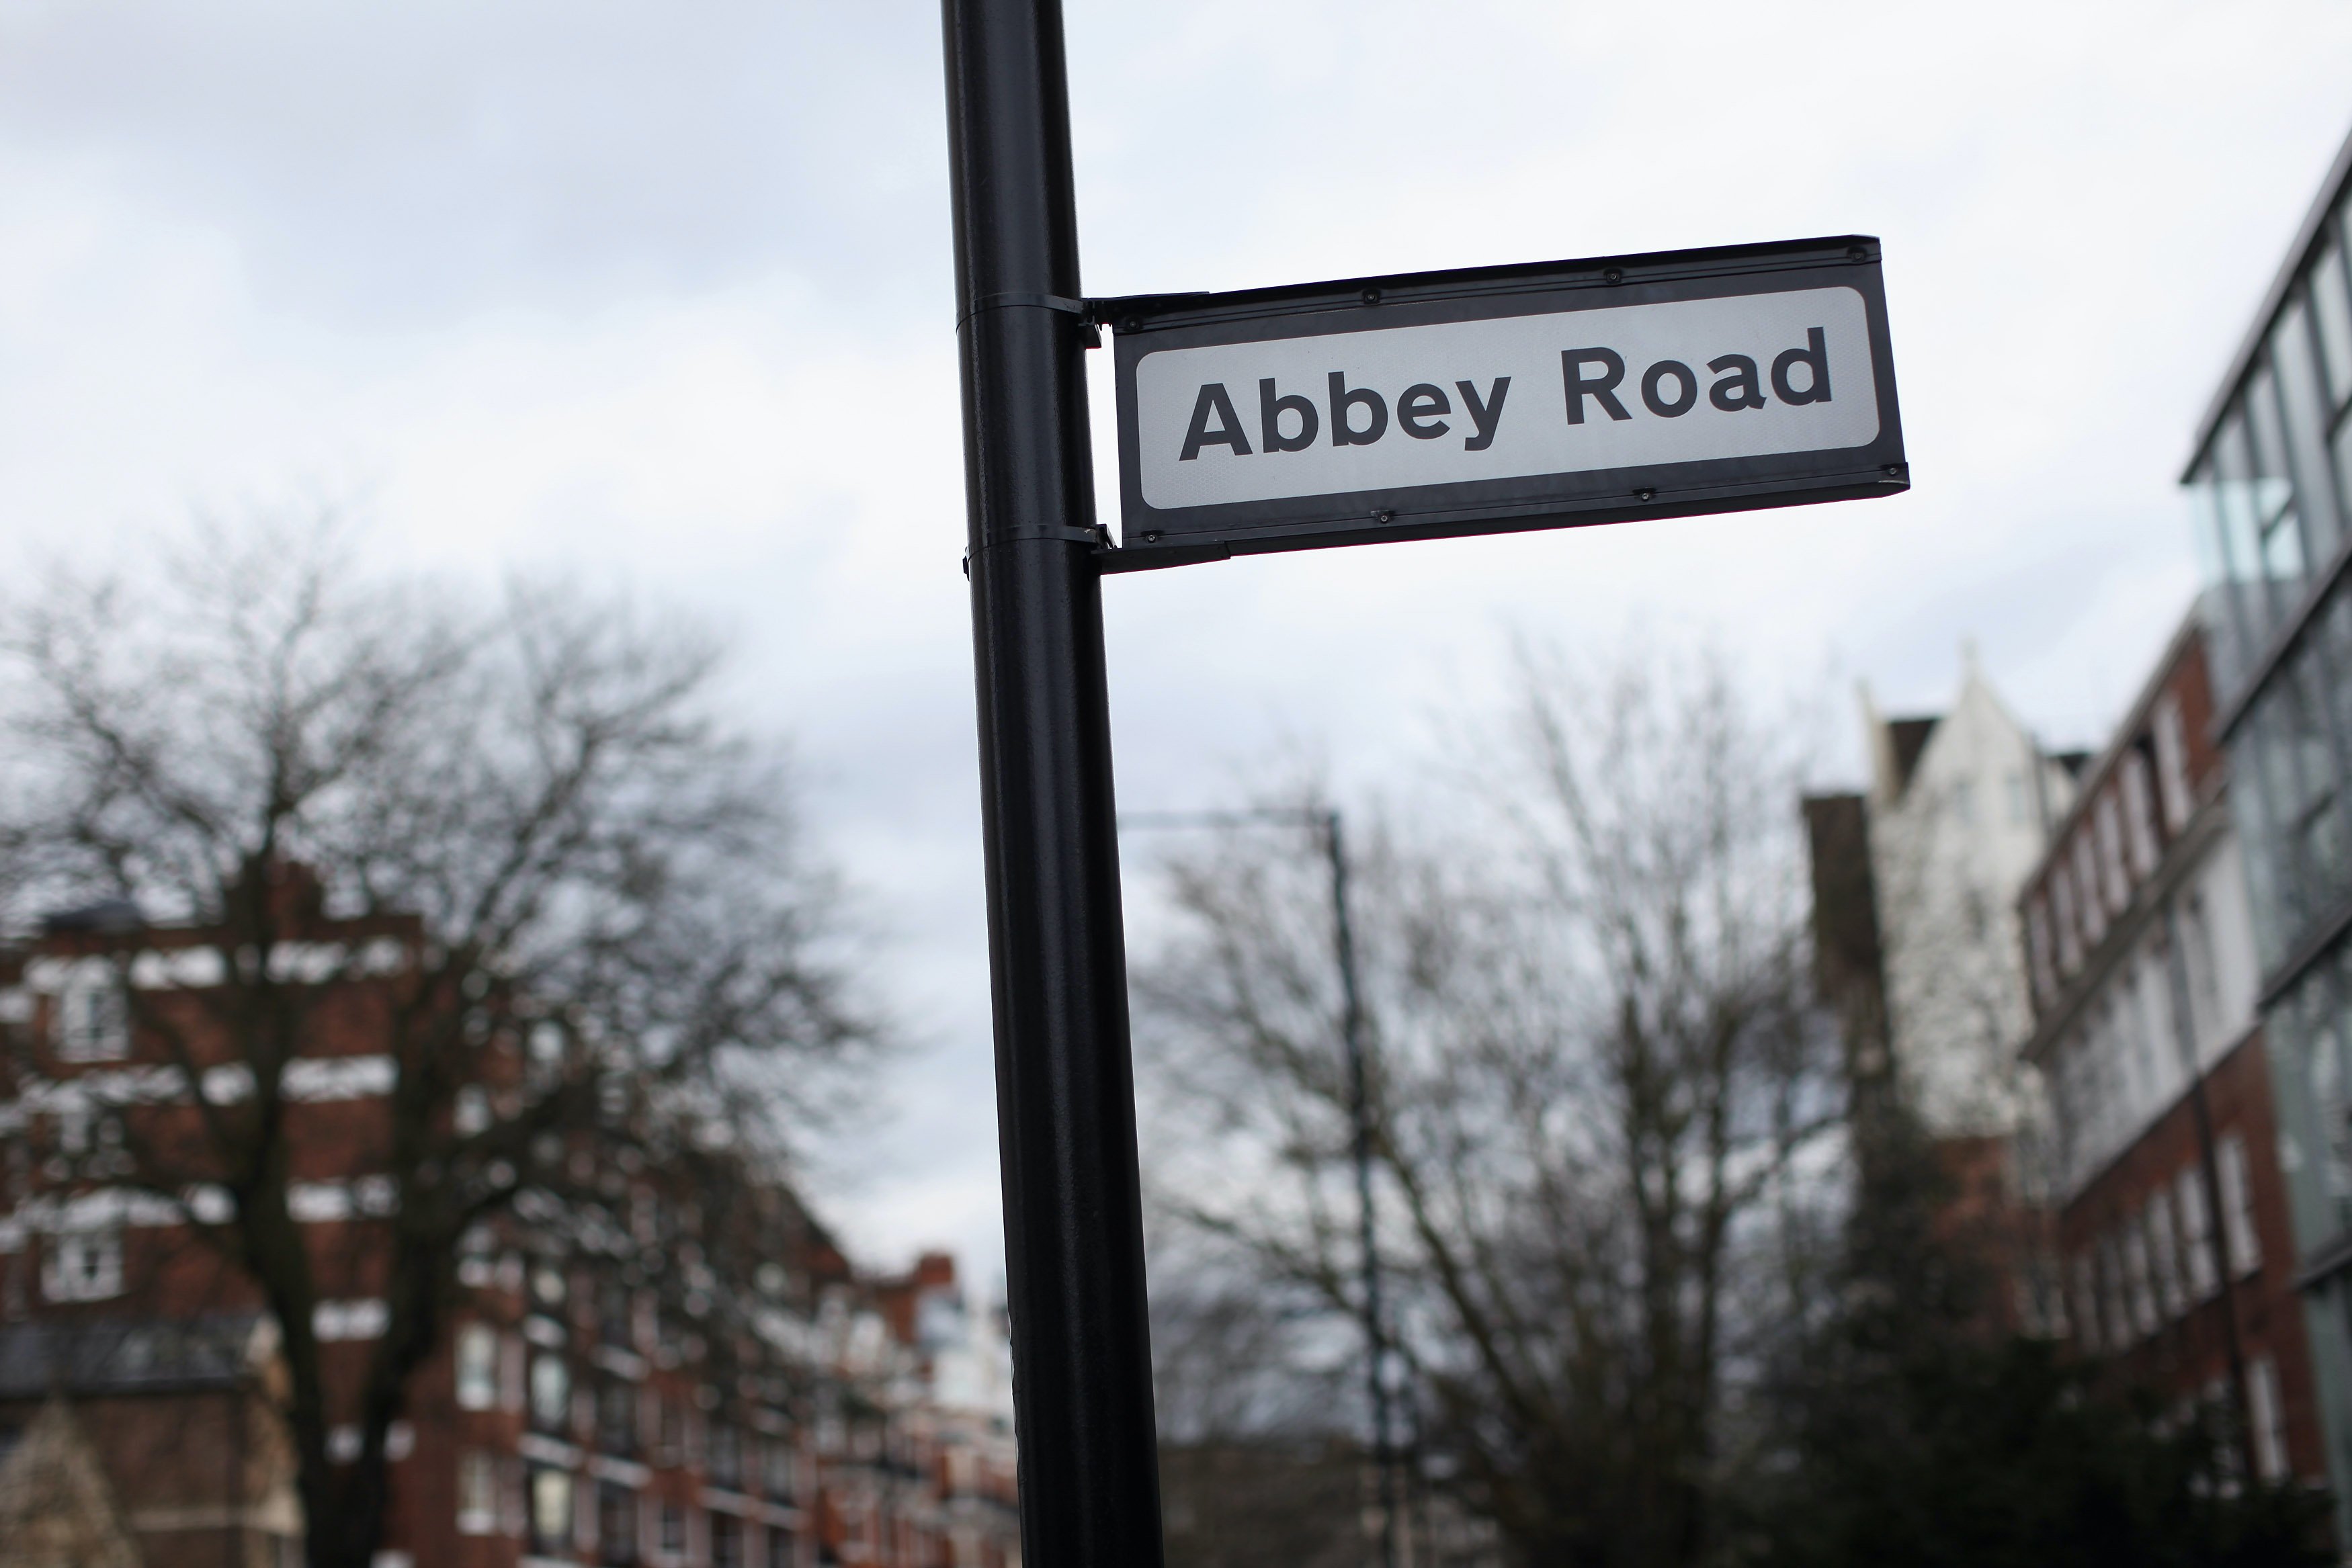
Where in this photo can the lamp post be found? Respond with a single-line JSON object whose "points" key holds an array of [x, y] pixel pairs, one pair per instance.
{"points": [[1057, 957]]}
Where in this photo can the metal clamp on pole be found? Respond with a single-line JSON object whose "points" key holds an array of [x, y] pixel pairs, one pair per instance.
{"points": [[1084, 309], [1095, 535]]}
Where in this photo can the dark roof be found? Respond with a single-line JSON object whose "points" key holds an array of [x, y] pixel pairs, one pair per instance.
{"points": [[107, 916], [125, 1355], [1910, 738]]}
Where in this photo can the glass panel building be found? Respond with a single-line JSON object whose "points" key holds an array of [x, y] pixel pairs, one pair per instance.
{"points": [[2270, 481]]}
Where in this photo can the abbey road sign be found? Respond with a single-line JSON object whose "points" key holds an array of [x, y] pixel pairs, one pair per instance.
{"points": [[1498, 399]]}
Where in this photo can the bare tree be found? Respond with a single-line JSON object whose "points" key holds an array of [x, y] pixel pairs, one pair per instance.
{"points": [[1599, 1089], [1254, 1471], [512, 850]]}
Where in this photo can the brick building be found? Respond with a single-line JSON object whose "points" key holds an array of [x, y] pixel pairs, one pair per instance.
{"points": [[920, 1466], [634, 1370], [2172, 1223]]}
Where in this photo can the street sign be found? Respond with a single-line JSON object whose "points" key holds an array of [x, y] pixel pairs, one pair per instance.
{"points": [[1496, 398]]}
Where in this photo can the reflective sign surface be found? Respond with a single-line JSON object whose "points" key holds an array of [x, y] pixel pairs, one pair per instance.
{"points": [[1512, 398]]}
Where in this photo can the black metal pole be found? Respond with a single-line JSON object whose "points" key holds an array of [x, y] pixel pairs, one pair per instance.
{"points": [[1064, 1085], [1360, 1106]]}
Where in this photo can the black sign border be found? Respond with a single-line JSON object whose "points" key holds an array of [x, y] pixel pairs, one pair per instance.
{"points": [[1156, 537]]}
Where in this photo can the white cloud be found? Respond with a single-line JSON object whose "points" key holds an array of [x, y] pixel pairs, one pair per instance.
{"points": [[662, 296]]}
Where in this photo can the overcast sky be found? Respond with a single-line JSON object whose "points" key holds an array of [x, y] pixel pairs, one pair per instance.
{"points": [[660, 295]]}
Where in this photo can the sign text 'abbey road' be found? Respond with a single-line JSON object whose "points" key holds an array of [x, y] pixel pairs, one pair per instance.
{"points": [[1501, 399]]}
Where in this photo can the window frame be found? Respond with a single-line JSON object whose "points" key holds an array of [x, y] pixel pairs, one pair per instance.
{"points": [[544, 1482], [2243, 1248], [77, 1038], [83, 1263]]}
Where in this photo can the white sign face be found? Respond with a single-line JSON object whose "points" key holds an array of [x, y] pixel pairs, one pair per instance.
{"points": [[1633, 386], [1495, 400]]}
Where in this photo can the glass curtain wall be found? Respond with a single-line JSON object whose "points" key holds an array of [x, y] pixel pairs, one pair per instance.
{"points": [[2270, 487], [2270, 492]]}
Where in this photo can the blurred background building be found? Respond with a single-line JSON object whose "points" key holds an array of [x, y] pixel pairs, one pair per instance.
{"points": [[2172, 1228], [2157, 934], [2270, 477], [616, 1387], [1918, 942]]}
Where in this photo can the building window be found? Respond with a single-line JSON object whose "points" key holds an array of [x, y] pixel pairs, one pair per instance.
{"points": [[2215, 1410], [92, 1022], [2115, 1309], [2204, 967], [2020, 807], [2172, 764], [2244, 1245], [2062, 908], [2266, 534], [2037, 941], [616, 1524], [2328, 306], [2086, 1302], [2143, 1295], [2139, 815], [2196, 1233], [669, 1431], [547, 1290], [780, 1548], [2086, 884], [83, 1265], [478, 1493], [2314, 1012], [777, 1466], [617, 1416], [2108, 829], [551, 1510], [612, 1314], [726, 1464], [726, 1542], [2267, 1414], [673, 1530], [550, 1394], [478, 1366], [2164, 1254], [2301, 397]]}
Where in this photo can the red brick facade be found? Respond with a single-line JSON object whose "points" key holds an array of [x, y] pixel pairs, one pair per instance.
{"points": [[2173, 1234], [2207, 1332], [604, 1394]]}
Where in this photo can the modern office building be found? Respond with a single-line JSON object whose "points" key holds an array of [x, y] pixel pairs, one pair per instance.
{"points": [[2271, 477]]}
